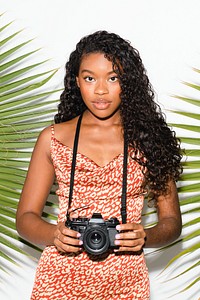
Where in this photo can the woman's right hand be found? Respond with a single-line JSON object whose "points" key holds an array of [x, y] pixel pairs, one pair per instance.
{"points": [[67, 240]]}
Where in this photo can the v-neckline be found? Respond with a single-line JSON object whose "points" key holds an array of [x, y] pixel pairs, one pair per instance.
{"points": [[88, 158]]}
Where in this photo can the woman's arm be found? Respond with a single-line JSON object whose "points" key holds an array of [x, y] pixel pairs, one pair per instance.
{"points": [[39, 180], [169, 224], [37, 186], [168, 228]]}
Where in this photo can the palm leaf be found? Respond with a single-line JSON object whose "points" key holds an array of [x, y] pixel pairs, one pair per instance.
{"points": [[5, 26], [187, 127], [16, 60], [7, 258], [27, 88], [190, 200], [190, 174], [194, 86], [39, 97], [191, 164], [186, 270], [9, 37], [192, 152], [17, 73], [190, 188], [188, 100], [6, 54], [190, 285], [186, 114], [189, 140], [20, 83], [22, 103]]}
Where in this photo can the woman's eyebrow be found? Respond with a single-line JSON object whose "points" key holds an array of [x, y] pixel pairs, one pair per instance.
{"points": [[87, 71], [91, 72]]}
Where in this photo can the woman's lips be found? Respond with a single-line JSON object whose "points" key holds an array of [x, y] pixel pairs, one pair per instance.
{"points": [[101, 104]]}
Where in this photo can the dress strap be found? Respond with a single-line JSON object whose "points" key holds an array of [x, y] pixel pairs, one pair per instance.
{"points": [[52, 130]]}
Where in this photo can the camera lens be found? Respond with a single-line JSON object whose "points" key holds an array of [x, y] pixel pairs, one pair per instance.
{"points": [[95, 240]]}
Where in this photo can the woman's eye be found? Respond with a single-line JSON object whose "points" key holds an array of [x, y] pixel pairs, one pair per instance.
{"points": [[113, 78], [89, 79]]}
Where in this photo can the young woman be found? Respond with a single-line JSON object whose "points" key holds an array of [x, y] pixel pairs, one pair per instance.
{"points": [[106, 84]]}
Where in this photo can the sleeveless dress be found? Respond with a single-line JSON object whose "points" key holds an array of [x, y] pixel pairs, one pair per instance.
{"points": [[96, 189]]}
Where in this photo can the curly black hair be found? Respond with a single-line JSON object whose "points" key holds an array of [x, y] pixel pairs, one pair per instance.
{"points": [[142, 119]]}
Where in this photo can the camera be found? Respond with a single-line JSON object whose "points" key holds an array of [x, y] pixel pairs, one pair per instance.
{"points": [[97, 234]]}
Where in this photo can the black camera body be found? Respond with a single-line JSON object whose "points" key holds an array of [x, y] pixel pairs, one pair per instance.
{"points": [[97, 234]]}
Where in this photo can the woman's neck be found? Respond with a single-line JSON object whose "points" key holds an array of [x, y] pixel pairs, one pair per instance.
{"points": [[90, 118]]}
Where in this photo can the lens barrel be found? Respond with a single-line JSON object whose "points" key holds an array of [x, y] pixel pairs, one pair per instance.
{"points": [[96, 240]]}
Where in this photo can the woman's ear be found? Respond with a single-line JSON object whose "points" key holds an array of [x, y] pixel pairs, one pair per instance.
{"points": [[77, 82]]}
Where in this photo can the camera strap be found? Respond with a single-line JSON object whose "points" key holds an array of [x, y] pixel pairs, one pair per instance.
{"points": [[124, 182]]}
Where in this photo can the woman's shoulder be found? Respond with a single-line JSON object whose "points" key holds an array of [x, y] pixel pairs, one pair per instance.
{"points": [[65, 126], [64, 132], [57, 128]]}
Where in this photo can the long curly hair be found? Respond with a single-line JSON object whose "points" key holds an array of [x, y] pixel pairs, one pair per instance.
{"points": [[142, 120]]}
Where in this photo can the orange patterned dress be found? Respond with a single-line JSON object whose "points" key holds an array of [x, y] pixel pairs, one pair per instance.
{"points": [[98, 189]]}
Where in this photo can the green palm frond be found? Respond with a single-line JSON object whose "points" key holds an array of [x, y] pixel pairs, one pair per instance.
{"points": [[188, 127], [189, 200], [186, 270], [25, 108], [188, 100], [189, 189]]}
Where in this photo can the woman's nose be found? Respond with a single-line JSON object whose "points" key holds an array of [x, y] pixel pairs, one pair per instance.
{"points": [[101, 87]]}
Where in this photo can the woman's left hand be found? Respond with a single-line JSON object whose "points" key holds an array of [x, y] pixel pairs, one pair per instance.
{"points": [[130, 238]]}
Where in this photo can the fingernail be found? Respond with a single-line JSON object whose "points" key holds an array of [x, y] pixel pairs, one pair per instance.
{"points": [[81, 243], [118, 227], [78, 234], [117, 242], [117, 236]]}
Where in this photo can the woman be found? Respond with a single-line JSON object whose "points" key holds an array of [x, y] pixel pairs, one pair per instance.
{"points": [[106, 84]]}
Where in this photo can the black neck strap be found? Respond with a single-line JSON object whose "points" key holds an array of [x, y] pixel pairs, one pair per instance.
{"points": [[124, 183]]}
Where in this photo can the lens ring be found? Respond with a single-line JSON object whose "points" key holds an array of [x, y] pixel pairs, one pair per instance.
{"points": [[96, 240]]}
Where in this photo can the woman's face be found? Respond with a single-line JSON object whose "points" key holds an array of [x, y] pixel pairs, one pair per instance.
{"points": [[99, 85]]}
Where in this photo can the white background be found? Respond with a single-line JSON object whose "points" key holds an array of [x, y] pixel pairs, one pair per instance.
{"points": [[166, 33]]}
